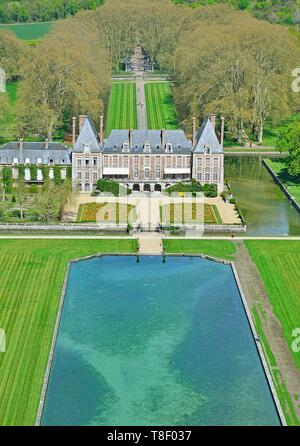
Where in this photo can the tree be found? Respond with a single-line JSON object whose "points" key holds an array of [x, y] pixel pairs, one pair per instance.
{"points": [[22, 195], [289, 141], [67, 73], [11, 52]]}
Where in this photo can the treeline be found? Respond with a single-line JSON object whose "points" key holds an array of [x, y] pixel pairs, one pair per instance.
{"points": [[275, 11], [221, 61], [66, 74], [42, 10]]}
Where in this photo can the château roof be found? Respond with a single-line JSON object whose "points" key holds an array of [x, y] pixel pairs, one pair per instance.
{"points": [[34, 150], [180, 144], [88, 135], [206, 137]]}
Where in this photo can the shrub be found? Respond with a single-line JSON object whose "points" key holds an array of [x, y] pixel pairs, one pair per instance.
{"points": [[112, 187]]}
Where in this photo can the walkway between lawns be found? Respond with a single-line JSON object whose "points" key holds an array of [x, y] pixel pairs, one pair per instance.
{"points": [[141, 106]]}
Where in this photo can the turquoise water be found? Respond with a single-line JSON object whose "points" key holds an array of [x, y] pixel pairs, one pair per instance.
{"points": [[155, 343]]}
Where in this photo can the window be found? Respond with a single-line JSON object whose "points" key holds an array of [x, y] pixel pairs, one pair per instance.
{"points": [[27, 160], [157, 160], [157, 174], [179, 161], [168, 161], [78, 175], [15, 160], [79, 162], [207, 176], [95, 176], [87, 175], [207, 162], [136, 160], [95, 161], [207, 149], [126, 147], [105, 159], [51, 161], [215, 176], [199, 176], [169, 147], [147, 160], [147, 174], [115, 161], [199, 162], [87, 161], [188, 161], [136, 173], [147, 147], [3, 160], [39, 161], [216, 162], [86, 147], [125, 161]]}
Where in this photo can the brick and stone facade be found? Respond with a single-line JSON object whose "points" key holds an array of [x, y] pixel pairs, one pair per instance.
{"points": [[146, 160]]}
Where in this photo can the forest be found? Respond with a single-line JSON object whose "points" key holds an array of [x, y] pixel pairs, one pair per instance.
{"points": [[42, 10], [213, 67], [275, 11]]}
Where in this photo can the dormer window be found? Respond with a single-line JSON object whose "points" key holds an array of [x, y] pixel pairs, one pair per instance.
{"points": [[86, 147], [169, 148], [207, 149], [125, 147], [147, 147]]}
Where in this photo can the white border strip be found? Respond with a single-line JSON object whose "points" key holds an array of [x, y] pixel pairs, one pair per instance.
{"points": [[259, 347]]}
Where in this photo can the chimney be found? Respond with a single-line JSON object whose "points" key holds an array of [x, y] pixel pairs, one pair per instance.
{"points": [[222, 130], [101, 129], [162, 137], [47, 144], [82, 119], [73, 130], [131, 138], [21, 143], [194, 131], [213, 120]]}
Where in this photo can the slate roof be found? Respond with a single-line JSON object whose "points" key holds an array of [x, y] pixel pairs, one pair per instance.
{"points": [[88, 135], [206, 136], [34, 150], [115, 141]]}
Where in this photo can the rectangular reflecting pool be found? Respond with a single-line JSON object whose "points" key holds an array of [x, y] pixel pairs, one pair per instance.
{"points": [[155, 343]]}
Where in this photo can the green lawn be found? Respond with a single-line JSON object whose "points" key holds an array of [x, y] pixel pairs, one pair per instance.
{"points": [[29, 31], [279, 265], [121, 112], [31, 277], [291, 183], [271, 132], [222, 249], [161, 113]]}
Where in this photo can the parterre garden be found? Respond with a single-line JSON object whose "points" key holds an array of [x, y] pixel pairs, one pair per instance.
{"points": [[121, 113], [31, 276], [172, 214], [161, 112], [106, 213]]}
